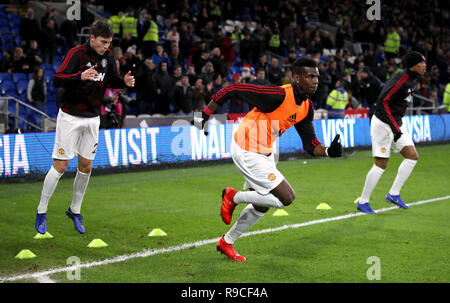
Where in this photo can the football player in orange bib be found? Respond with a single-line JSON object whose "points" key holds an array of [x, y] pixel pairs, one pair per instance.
{"points": [[275, 109]]}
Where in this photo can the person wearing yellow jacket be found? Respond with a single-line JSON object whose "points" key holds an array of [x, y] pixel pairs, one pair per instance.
{"points": [[129, 24], [150, 39], [392, 43], [447, 97], [115, 21], [337, 101]]}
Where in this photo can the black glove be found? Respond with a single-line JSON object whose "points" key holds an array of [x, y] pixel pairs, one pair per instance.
{"points": [[335, 148], [200, 122], [397, 136]]}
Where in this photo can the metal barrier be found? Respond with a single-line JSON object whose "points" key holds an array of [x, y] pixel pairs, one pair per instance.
{"points": [[425, 106], [47, 121]]}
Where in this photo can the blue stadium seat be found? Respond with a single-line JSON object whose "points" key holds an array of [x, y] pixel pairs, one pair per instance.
{"points": [[12, 93], [4, 22], [46, 66], [19, 76], [6, 38], [15, 23], [4, 29], [18, 41], [8, 46], [13, 16], [22, 86], [5, 76], [48, 75], [8, 86]]}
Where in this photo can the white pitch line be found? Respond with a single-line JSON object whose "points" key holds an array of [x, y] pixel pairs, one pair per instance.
{"points": [[44, 279], [43, 275]]}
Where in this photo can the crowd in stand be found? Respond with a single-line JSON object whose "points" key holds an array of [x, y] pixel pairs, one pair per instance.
{"points": [[181, 54]]}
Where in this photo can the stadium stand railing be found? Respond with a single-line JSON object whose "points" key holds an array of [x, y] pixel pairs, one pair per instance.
{"points": [[24, 116]]}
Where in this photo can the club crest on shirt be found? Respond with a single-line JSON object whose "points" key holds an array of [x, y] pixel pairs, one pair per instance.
{"points": [[272, 177], [104, 63], [383, 150], [61, 151], [89, 64]]}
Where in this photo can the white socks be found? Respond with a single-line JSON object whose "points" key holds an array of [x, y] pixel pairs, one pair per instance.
{"points": [[256, 198], [79, 188], [404, 170], [50, 183], [372, 178], [248, 217]]}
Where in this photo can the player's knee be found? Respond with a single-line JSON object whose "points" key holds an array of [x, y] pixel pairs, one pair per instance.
{"points": [[413, 156], [85, 168]]}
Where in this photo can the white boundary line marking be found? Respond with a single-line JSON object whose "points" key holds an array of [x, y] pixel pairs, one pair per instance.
{"points": [[44, 279], [42, 276]]}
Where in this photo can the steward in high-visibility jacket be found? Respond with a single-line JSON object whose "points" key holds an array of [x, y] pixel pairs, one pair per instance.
{"points": [[447, 97], [115, 22], [337, 101], [152, 32], [129, 25], [392, 42]]}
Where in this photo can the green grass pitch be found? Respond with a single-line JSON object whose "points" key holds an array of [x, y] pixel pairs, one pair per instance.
{"points": [[121, 209]]}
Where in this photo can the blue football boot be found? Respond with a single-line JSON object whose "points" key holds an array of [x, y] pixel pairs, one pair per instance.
{"points": [[365, 208], [41, 223], [397, 200], [77, 220]]}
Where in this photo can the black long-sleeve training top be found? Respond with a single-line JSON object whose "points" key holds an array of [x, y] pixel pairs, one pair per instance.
{"points": [[83, 98]]}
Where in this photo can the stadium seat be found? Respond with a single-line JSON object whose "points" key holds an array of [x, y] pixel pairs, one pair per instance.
{"points": [[19, 76], [48, 75], [46, 66], [4, 23], [8, 85], [4, 29], [22, 86], [18, 41], [5, 77]]}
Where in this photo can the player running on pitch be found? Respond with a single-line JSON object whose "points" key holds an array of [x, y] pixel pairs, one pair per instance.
{"points": [[387, 132], [275, 110], [85, 74]]}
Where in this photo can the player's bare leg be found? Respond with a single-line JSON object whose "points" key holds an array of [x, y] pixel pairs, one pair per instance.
{"points": [[404, 171]]}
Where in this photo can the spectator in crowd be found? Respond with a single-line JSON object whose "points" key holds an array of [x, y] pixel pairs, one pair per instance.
{"points": [[50, 40], [228, 52], [367, 88], [288, 76], [446, 101], [131, 60], [49, 15], [201, 95], [161, 56], [216, 86], [246, 75], [262, 62], [261, 78], [29, 28], [19, 62], [37, 89], [202, 60], [6, 63], [186, 38], [275, 74], [34, 55], [112, 109], [392, 43], [146, 87], [175, 57], [247, 47], [69, 31], [184, 96], [150, 36], [207, 72], [119, 60], [337, 101], [128, 41], [173, 37], [192, 74], [325, 82], [164, 89], [176, 74], [218, 62]]}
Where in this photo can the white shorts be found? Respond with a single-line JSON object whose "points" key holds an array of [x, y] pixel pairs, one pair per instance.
{"points": [[383, 139], [260, 171], [75, 136]]}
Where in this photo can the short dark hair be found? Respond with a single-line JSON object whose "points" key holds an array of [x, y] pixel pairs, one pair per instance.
{"points": [[101, 28], [300, 63]]}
